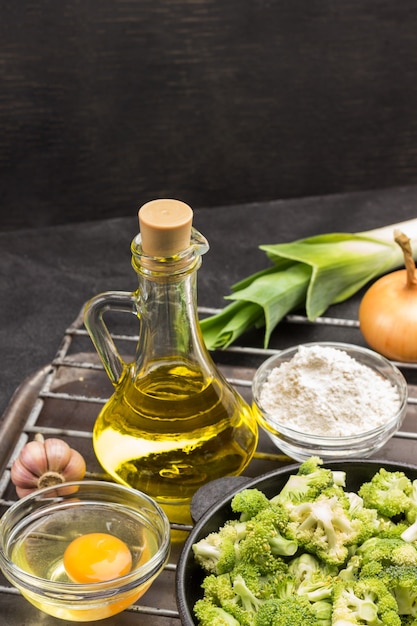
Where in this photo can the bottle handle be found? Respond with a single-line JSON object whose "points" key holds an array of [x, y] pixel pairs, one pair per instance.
{"points": [[99, 333]]}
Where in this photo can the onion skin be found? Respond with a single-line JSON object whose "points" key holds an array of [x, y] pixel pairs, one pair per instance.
{"points": [[43, 463], [388, 317]]}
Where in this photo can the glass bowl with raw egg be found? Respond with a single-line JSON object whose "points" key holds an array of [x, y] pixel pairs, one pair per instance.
{"points": [[328, 399], [84, 551]]}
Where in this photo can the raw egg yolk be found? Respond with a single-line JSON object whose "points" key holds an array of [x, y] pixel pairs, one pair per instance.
{"points": [[97, 557]]}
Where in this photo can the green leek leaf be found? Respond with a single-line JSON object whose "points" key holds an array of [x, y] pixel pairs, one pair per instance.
{"points": [[221, 329], [341, 264], [277, 293], [314, 272]]}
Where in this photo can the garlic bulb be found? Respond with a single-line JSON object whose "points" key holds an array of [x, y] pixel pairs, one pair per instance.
{"points": [[44, 462]]}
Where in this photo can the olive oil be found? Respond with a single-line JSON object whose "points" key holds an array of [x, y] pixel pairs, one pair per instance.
{"points": [[173, 423], [171, 431]]}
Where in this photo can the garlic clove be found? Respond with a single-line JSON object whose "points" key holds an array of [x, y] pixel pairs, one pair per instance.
{"points": [[34, 458], [21, 475], [76, 467], [21, 493], [58, 454]]}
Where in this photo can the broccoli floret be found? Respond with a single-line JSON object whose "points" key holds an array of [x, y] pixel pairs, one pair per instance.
{"points": [[388, 528], [388, 492], [306, 566], [355, 502], [308, 483], [217, 552], [351, 570], [209, 614], [324, 528], [241, 592], [323, 611], [372, 522], [291, 611], [248, 600], [263, 541], [233, 595], [316, 589], [364, 602], [386, 551], [249, 502], [313, 578], [258, 539], [268, 612], [218, 588], [402, 583], [263, 584]]}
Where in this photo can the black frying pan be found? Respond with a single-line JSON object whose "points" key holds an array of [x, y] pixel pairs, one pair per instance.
{"points": [[211, 506]]}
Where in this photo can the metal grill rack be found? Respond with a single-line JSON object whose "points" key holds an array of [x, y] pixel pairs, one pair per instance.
{"points": [[63, 399]]}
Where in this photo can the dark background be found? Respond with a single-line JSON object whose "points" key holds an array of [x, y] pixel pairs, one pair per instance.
{"points": [[105, 104]]}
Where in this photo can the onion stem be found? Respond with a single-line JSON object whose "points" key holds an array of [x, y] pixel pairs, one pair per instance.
{"points": [[410, 266]]}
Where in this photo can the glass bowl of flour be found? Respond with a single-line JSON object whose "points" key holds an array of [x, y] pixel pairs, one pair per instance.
{"points": [[332, 400]]}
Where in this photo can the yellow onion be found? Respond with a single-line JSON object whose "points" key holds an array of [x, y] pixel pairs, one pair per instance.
{"points": [[388, 310], [45, 462]]}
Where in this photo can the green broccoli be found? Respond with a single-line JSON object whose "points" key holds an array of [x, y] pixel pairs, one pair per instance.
{"points": [[263, 582], [247, 598], [306, 566], [350, 571], [323, 611], [386, 551], [324, 528], [389, 528], [257, 540], [241, 591], [388, 492], [364, 602], [218, 588], [233, 595], [216, 553], [372, 522], [249, 502], [263, 541], [314, 554], [308, 483], [291, 611], [402, 583], [209, 614], [313, 578]]}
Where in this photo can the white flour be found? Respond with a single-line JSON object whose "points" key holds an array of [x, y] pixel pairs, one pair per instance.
{"points": [[324, 391]]}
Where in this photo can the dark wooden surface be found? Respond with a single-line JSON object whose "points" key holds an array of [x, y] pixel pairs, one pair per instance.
{"points": [[105, 104]]}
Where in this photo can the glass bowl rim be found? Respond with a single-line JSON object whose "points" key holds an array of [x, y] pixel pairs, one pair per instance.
{"points": [[394, 372], [102, 589]]}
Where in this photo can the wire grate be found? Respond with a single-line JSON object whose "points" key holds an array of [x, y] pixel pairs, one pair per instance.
{"points": [[63, 399]]}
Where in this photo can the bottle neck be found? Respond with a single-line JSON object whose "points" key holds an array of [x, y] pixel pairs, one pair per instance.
{"points": [[167, 309]]}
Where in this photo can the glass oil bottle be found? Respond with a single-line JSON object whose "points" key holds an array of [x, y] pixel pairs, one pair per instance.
{"points": [[173, 423]]}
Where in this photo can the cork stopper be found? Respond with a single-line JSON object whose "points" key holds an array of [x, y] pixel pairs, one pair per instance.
{"points": [[165, 227]]}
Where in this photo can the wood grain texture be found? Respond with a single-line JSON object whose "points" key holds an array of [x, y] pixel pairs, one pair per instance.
{"points": [[105, 104]]}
